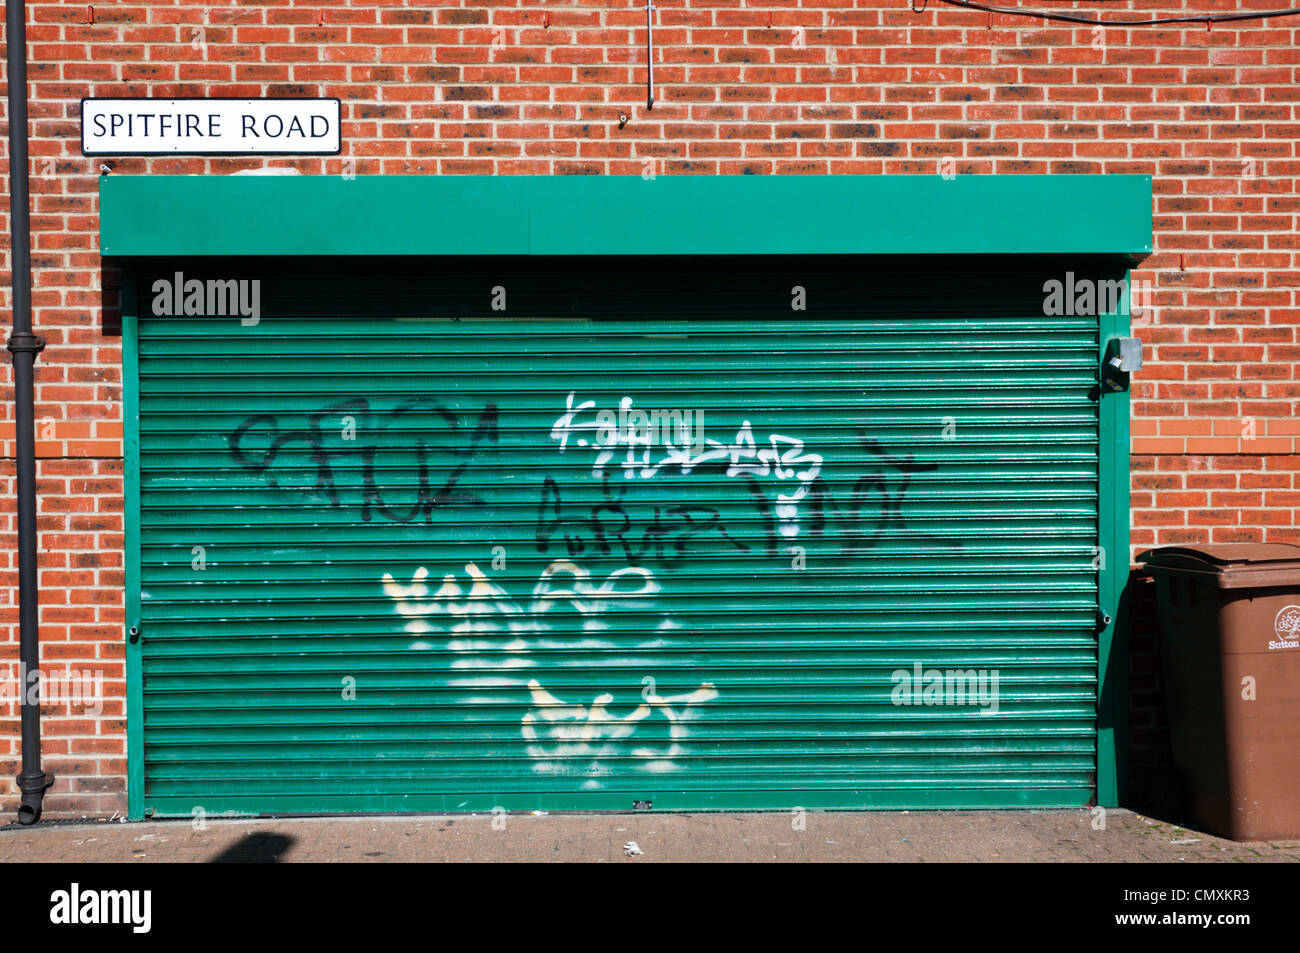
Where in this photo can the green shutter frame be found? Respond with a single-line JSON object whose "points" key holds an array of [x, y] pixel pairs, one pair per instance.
{"points": [[966, 467]]}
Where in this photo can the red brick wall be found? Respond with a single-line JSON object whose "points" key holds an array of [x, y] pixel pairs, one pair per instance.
{"points": [[801, 87]]}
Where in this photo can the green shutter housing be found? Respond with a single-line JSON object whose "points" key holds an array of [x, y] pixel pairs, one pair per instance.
{"points": [[502, 502]]}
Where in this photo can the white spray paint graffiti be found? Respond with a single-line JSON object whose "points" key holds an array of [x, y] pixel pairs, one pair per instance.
{"points": [[488, 630], [587, 734], [783, 459]]}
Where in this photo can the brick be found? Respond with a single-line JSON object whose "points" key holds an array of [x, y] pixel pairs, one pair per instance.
{"points": [[1158, 445], [1213, 445]]}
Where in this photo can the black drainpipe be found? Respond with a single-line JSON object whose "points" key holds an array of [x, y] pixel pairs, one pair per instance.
{"points": [[24, 346]]}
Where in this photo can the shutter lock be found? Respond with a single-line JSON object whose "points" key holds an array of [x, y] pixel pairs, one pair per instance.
{"points": [[1123, 357]]}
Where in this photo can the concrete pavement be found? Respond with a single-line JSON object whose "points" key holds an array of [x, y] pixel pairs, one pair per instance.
{"points": [[903, 836]]}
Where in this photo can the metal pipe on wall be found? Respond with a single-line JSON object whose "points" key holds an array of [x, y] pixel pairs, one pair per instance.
{"points": [[24, 346], [650, 54]]}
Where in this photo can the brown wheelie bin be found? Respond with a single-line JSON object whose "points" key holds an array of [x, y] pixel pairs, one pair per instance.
{"points": [[1230, 648]]}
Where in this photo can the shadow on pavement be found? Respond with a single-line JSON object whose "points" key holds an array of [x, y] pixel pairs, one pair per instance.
{"points": [[257, 848]]}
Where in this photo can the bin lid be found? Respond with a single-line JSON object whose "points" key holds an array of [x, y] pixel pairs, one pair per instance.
{"points": [[1236, 564]]}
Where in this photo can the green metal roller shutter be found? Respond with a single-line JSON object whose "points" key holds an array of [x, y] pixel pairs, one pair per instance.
{"points": [[385, 565]]}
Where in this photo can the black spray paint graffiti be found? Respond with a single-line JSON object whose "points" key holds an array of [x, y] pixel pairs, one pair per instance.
{"points": [[875, 503], [441, 446], [872, 511], [666, 537]]}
